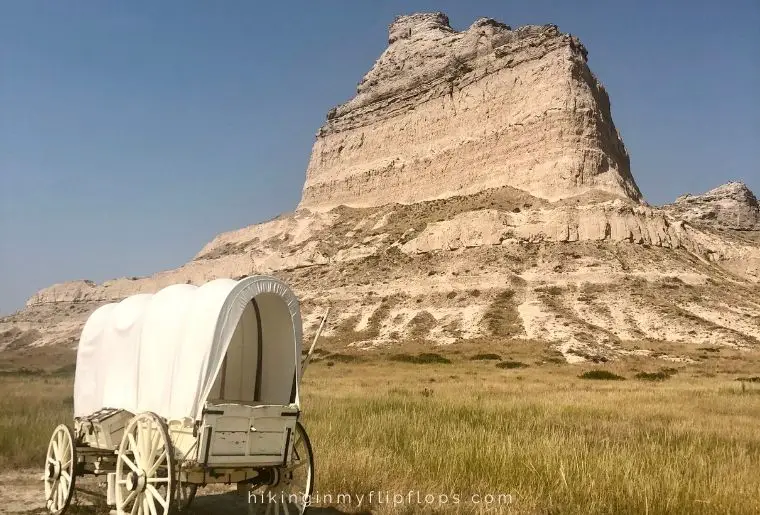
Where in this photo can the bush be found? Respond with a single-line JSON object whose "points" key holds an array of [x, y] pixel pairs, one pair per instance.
{"points": [[652, 376], [486, 357], [511, 364], [23, 371], [603, 375], [551, 290], [425, 357], [662, 375], [343, 358]]}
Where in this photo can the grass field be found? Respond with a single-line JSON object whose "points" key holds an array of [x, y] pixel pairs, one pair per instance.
{"points": [[683, 441]]}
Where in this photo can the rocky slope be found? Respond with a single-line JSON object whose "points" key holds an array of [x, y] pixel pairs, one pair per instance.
{"points": [[576, 261], [445, 113], [730, 206], [592, 278]]}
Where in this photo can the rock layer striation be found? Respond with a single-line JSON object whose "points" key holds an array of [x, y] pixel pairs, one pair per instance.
{"points": [[445, 113]]}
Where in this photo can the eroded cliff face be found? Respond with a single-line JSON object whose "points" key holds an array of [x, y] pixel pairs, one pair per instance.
{"points": [[446, 113], [593, 278]]}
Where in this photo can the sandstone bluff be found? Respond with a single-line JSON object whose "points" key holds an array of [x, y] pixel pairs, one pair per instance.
{"points": [[446, 113], [476, 188]]}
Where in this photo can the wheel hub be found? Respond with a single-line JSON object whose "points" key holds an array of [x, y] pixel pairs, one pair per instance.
{"points": [[273, 478], [53, 470], [136, 481]]}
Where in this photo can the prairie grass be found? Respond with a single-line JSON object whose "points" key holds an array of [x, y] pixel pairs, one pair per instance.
{"points": [[553, 442], [31, 405]]}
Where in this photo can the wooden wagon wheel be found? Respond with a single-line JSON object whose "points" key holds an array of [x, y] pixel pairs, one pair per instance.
{"points": [[60, 470], [145, 468], [292, 488]]}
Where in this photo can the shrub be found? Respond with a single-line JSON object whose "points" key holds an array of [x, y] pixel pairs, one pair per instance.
{"points": [[604, 375], [343, 358], [551, 290], [501, 317], [486, 357], [511, 364], [652, 376], [425, 357]]}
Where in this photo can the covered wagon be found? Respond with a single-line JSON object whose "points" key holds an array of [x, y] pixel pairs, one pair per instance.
{"points": [[189, 386]]}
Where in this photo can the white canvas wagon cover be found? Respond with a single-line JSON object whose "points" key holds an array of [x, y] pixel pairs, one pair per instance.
{"points": [[226, 341]]}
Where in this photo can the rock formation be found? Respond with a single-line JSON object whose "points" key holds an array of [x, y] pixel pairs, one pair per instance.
{"points": [[730, 206], [486, 195], [446, 113]]}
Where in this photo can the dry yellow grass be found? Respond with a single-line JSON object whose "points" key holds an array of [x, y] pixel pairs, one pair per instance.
{"points": [[553, 442]]}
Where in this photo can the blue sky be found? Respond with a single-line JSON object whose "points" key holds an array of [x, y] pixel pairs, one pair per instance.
{"points": [[133, 132]]}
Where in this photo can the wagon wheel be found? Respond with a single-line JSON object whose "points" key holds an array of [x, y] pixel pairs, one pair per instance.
{"points": [[145, 468], [60, 475], [293, 485]]}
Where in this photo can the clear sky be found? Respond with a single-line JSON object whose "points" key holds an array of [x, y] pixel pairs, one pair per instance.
{"points": [[133, 132]]}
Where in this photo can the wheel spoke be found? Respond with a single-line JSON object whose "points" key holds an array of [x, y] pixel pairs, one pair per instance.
{"points": [[66, 448], [152, 504], [146, 440], [51, 460], [135, 506], [129, 463], [135, 449], [157, 480], [129, 498], [157, 464], [56, 453], [155, 444], [152, 489], [66, 475]]}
